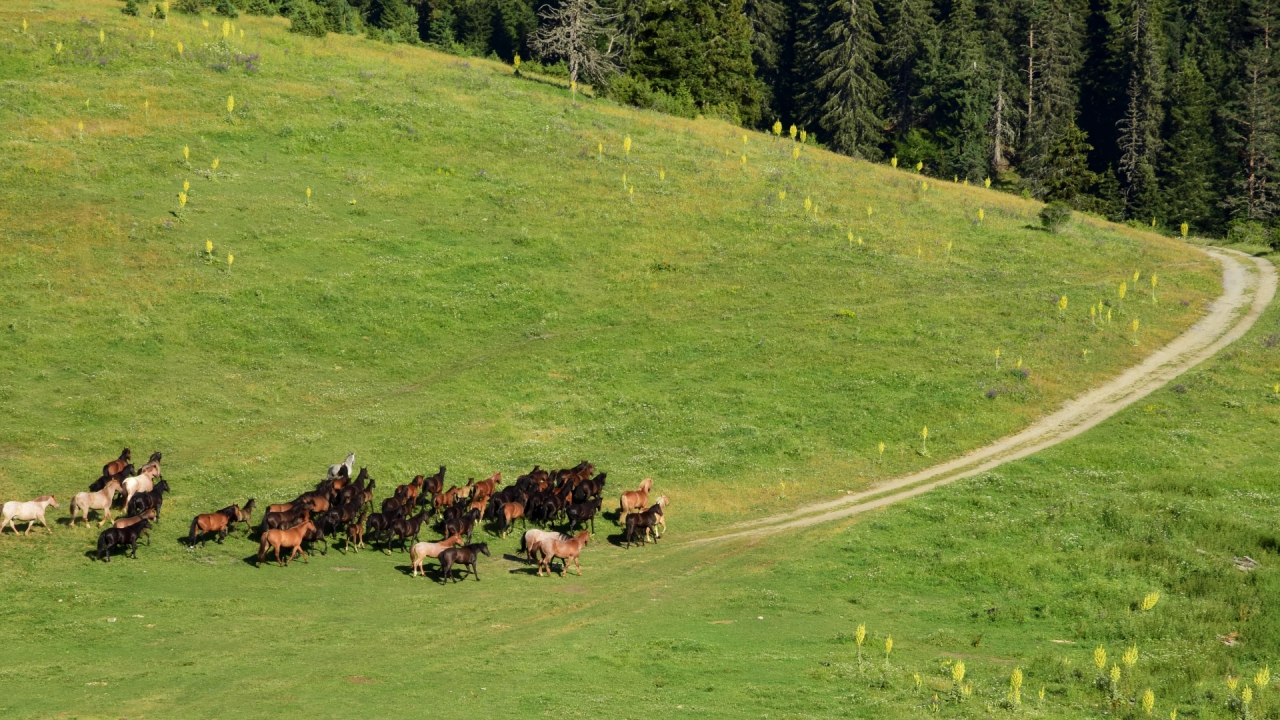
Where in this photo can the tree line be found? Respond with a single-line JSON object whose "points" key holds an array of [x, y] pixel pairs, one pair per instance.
{"points": [[1146, 111]]}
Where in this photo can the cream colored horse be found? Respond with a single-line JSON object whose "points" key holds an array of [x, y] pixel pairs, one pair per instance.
{"points": [[84, 502], [424, 550], [28, 512]]}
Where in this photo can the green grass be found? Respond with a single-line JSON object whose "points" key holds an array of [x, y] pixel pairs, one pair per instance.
{"points": [[495, 298]]}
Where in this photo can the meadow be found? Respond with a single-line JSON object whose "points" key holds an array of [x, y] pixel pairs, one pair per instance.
{"points": [[257, 252]]}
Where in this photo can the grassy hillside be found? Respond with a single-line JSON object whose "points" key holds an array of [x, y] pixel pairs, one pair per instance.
{"points": [[484, 275]]}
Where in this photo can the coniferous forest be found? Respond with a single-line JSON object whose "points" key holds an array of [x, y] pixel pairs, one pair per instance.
{"points": [[1146, 111]]}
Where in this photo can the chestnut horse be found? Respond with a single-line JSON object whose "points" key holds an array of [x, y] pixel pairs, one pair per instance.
{"points": [[424, 550], [218, 523], [511, 512], [566, 550], [634, 500], [291, 538], [28, 512], [101, 500], [487, 487], [118, 464]]}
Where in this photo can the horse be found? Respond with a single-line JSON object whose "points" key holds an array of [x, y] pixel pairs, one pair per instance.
{"points": [[119, 477], [423, 550], [404, 528], [218, 523], [377, 525], [286, 519], [488, 486], [293, 537], [28, 512], [100, 500], [143, 481], [531, 541], [465, 556], [355, 533], [114, 537], [335, 471], [435, 483], [118, 464], [583, 513], [633, 500], [566, 550], [511, 512], [125, 522], [245, 514], [646, 521], [152, 499], [463, 525]]}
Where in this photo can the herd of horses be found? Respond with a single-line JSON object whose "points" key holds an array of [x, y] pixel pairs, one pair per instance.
{"points": [[343, 509]]}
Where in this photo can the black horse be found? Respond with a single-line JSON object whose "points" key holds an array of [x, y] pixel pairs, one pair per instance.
{"points": [[114, 537], [462, 525], [406, 528], [465, 556], [643, 522], [583, 513], [150, 500]]}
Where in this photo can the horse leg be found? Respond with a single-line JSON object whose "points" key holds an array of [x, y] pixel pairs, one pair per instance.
{"points": [[475, 571], [577, 565]]}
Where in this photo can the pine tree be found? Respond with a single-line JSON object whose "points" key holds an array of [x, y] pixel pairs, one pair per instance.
{"points": [[1064, 169], [1188, 186], [847, 94], [1139, 140]]}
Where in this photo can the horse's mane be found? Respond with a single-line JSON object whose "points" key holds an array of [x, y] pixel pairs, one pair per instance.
{"points": [[43, 498]]}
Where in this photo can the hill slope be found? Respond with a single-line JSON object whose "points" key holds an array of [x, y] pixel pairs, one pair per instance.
{"points": [[486, 274]]}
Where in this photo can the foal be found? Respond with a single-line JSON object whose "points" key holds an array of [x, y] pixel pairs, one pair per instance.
{"points": [[101, 500]]}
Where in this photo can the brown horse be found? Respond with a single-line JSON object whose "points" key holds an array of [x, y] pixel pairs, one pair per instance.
{"points": [[423, 550], [566, 550], [511, 512], [465, 556], [634, 500], [489, 486], [355, 533], [118, 464], [218, 523], [287, 519], [291, 538]]}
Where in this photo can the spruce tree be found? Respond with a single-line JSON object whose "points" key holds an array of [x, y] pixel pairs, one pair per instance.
{"points": [[702, 48], [397, 19], [911, 46], [770, 25], [1254, 120], [965, 96], [1139, 139], [1188, 185], [847, 94], [1054, 55]]}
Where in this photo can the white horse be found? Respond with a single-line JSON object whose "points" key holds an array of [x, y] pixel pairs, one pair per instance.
{"points": [[28, 512], [83, 502], [335, 471], [136, 484]]}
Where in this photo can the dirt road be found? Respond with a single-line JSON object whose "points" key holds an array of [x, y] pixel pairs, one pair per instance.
{"points": [[1248, 286]]}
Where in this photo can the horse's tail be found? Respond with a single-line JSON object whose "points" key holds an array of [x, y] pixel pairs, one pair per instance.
{"points": [[195, 524], [524, 546]]}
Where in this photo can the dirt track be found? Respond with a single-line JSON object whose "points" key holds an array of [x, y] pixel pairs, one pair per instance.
{"points": [[1248, 286]]}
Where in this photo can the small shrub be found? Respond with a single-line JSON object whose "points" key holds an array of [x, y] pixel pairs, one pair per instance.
{"points": [[228, 9], [1055, 215], [266, 8], [130, 8], [191, 7], [307, 19]]}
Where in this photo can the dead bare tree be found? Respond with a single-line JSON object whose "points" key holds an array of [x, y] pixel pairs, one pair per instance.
{"points": [[584, 34]]}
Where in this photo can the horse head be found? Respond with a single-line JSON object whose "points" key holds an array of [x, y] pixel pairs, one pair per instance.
{"points": [[155, 457], [126, 455], [484, 548], [646, 485], [163, 485]]}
